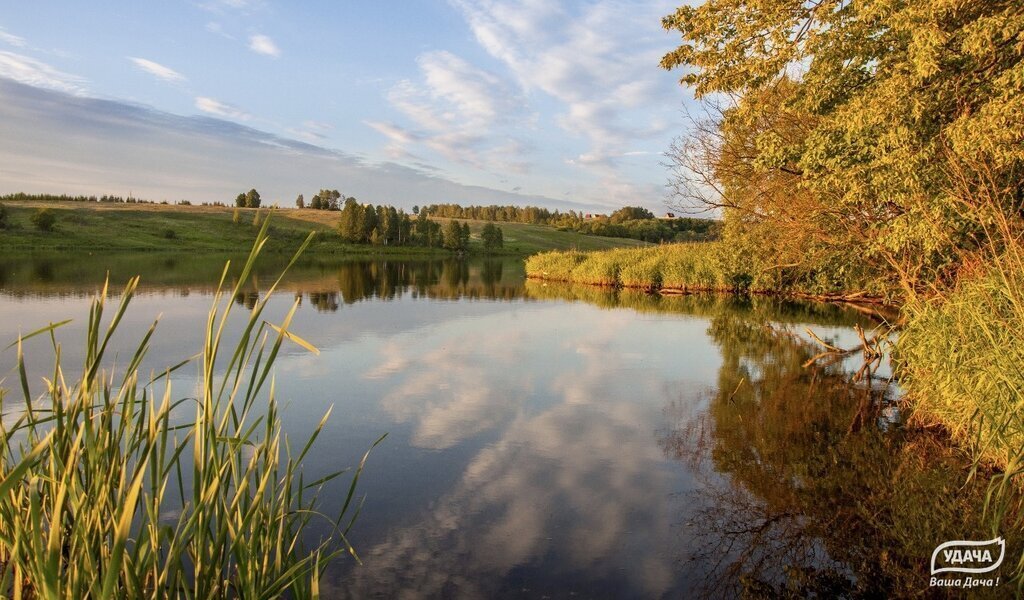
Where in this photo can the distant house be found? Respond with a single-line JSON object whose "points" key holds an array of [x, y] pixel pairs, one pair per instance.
{"points": [[670, 215]]}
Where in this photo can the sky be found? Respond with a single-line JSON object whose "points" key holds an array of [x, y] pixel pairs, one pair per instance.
{"points": [[557, 103]]}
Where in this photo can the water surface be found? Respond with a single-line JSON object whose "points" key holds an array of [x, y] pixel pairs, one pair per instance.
{"points": [[549, 441]]}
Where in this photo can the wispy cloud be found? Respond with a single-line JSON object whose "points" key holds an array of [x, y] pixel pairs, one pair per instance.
{"points": [[12, 40], [157, 70], [261, 44], [217, 29], [161, 155], [457, 110], [30, 71], [220, 109], [599, 60]]}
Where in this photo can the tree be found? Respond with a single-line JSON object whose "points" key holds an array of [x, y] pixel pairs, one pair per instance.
{"points": [[252, 199], [630, 213], [44, 219], [491, 237], [348, 223], [464, 236], [316, 203], [901, 132], [300, 202], [240, 200], [452, 237]]}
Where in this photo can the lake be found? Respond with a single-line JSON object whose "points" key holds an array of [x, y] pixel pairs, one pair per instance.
{"points": [[555, 441]]}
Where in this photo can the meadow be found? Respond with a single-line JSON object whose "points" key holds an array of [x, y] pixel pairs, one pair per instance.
{"points": [[109, 227]]}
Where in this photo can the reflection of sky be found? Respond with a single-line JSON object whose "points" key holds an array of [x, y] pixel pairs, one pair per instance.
{"points": [[521, 455]]}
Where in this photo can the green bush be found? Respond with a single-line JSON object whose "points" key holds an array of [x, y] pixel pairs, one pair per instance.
{"points": [[44, 219], [4, 216]]}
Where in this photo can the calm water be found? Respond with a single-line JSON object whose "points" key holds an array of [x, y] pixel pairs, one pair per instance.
{"points": [[547, 441]]}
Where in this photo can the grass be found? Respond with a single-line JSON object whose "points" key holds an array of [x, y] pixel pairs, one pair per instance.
{"points": [[144, 227], [686, 267], [683, 267], [103, 493], [960, 355]]}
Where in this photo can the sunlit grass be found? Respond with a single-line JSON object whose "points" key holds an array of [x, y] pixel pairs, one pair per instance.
{"points": [[104, 494]]}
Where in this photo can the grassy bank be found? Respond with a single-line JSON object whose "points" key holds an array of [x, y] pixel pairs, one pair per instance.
{"points": [[961, 355], [108, 227], [692, 267]]}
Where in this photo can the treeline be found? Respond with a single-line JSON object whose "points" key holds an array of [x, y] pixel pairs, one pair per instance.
{"points": [[632, 222], [23, 197], [106, 198], [389, 226]]}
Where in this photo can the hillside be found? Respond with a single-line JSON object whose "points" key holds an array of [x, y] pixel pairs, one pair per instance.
{"points": [[111, 227]]}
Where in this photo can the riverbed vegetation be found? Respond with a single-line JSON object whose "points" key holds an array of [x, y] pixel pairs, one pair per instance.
{"points": [[111, 486]]}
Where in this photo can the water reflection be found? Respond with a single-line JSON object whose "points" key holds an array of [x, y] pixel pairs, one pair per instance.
{"points": [[554, 440], [327, 282], [804, 492]]}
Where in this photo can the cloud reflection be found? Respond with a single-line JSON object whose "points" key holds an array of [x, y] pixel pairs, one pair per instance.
{"points": [[553, 501]]}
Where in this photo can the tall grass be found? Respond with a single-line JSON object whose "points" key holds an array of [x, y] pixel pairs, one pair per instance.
{"points": [[694, 267], [105, 494], [961, 356]]}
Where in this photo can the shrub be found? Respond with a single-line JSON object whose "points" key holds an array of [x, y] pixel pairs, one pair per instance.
{"points": [[170, 234], [44, 219], [4, 216]]}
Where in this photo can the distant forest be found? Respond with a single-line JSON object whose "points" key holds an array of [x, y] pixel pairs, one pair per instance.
{"points": [[627, 222]]}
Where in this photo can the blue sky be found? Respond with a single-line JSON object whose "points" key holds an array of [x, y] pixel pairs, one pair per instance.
{"points": [[558, 103]]}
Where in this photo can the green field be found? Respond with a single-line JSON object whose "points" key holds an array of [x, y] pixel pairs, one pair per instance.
{"points": [[100, 227]]}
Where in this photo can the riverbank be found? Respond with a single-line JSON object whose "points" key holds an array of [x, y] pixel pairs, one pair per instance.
{"points": [[689, 268], [958, 355], [114, 227]]}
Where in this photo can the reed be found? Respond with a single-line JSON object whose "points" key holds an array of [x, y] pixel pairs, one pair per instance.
{"points": [[684, 267], [961, 356], [104, 493]]}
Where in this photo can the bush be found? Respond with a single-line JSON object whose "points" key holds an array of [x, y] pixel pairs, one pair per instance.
{"points": [[170, 234], [4, 216], [44, 219]]}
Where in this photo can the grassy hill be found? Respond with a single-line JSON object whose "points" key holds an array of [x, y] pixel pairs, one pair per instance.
{"points": [[103, 227]]}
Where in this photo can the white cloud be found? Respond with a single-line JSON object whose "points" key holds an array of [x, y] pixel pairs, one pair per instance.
{"points": [[220, 109], [217, 29], [261, 44], [157, 70], [459, 111], [11, 39], [30, 71], [600, 61], [120, 146]]}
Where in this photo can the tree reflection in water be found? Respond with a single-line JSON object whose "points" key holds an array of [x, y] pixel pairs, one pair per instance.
{"points": [[797, 496]]}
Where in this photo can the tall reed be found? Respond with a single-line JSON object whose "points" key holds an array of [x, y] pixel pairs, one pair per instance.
{"points": [[104, 494]]}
